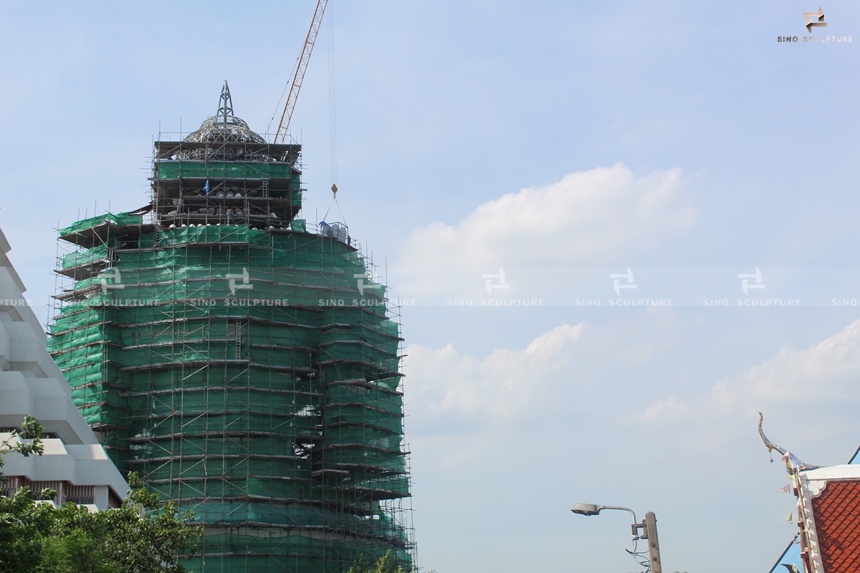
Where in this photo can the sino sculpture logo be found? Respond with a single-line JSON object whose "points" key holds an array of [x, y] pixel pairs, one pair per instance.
{"points": [[814, 20], [811, 21]]}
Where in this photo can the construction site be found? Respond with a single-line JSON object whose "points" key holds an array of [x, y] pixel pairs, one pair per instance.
{"points": [[245, 363]]}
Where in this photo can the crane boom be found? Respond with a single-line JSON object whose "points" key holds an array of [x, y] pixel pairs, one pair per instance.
{"points": [[301, 68]]}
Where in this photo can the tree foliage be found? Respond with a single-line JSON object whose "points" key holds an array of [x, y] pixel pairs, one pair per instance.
{"points": [[138, 537], [384, 564], [142, 536], [31, 430]]}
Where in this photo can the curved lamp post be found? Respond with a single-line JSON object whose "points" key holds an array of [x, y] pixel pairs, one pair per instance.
{"points": [[648, 529]]}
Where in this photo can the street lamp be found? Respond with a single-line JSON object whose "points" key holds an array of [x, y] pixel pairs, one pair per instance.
{"points": [[648, 529]]}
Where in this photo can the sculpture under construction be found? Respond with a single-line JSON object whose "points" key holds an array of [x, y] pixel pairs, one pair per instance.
{"points": [[242, 362]]}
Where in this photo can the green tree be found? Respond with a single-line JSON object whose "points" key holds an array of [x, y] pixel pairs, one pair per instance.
{"points": [[31, 430], [139, 537], [142, 536], [384, 564]]}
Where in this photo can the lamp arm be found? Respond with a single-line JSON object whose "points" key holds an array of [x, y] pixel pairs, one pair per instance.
{"points": [[635, 521]]}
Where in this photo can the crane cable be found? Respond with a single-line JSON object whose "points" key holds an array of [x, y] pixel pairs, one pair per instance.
{"points": [[332, 117], [332, 107], [295, 86]]}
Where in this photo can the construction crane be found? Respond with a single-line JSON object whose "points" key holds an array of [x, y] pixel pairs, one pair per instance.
{"points": [[301, 68]]}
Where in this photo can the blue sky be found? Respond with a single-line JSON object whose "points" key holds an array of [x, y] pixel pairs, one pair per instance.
{"points": [[560, 142]]}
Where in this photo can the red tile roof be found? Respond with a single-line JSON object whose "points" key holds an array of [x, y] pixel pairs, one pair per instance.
{"points": [[837, 522]]}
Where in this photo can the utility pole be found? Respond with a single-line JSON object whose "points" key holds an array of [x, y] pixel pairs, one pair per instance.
{"points": [[645, 530], [653, 543]]}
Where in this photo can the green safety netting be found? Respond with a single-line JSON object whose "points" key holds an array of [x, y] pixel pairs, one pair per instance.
{"points": [[227, 169], [78, 258], [119, 220], [253, 377], [263, 550]]}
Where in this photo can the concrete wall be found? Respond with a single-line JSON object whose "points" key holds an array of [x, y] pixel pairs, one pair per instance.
{"points": [[31, 384]]}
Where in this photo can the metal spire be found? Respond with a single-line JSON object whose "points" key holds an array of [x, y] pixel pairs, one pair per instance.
{"points": [[225, 104]]}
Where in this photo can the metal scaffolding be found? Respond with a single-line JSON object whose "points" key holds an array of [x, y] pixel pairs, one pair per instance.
{"points": [[245, 367]]}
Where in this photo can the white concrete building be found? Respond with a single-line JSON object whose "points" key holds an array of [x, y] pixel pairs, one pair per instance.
{"points": [[74, 463]]}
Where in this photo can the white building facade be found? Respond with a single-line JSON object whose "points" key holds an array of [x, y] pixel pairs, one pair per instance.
{"points": [[74, 463]]}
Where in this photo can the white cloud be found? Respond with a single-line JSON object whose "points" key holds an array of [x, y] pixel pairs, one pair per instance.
{"points": [[567, 372], [629, 372], [546, 239], [507, 384], [634, 410], [590, 217], [817, 387], [823, 372]]}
